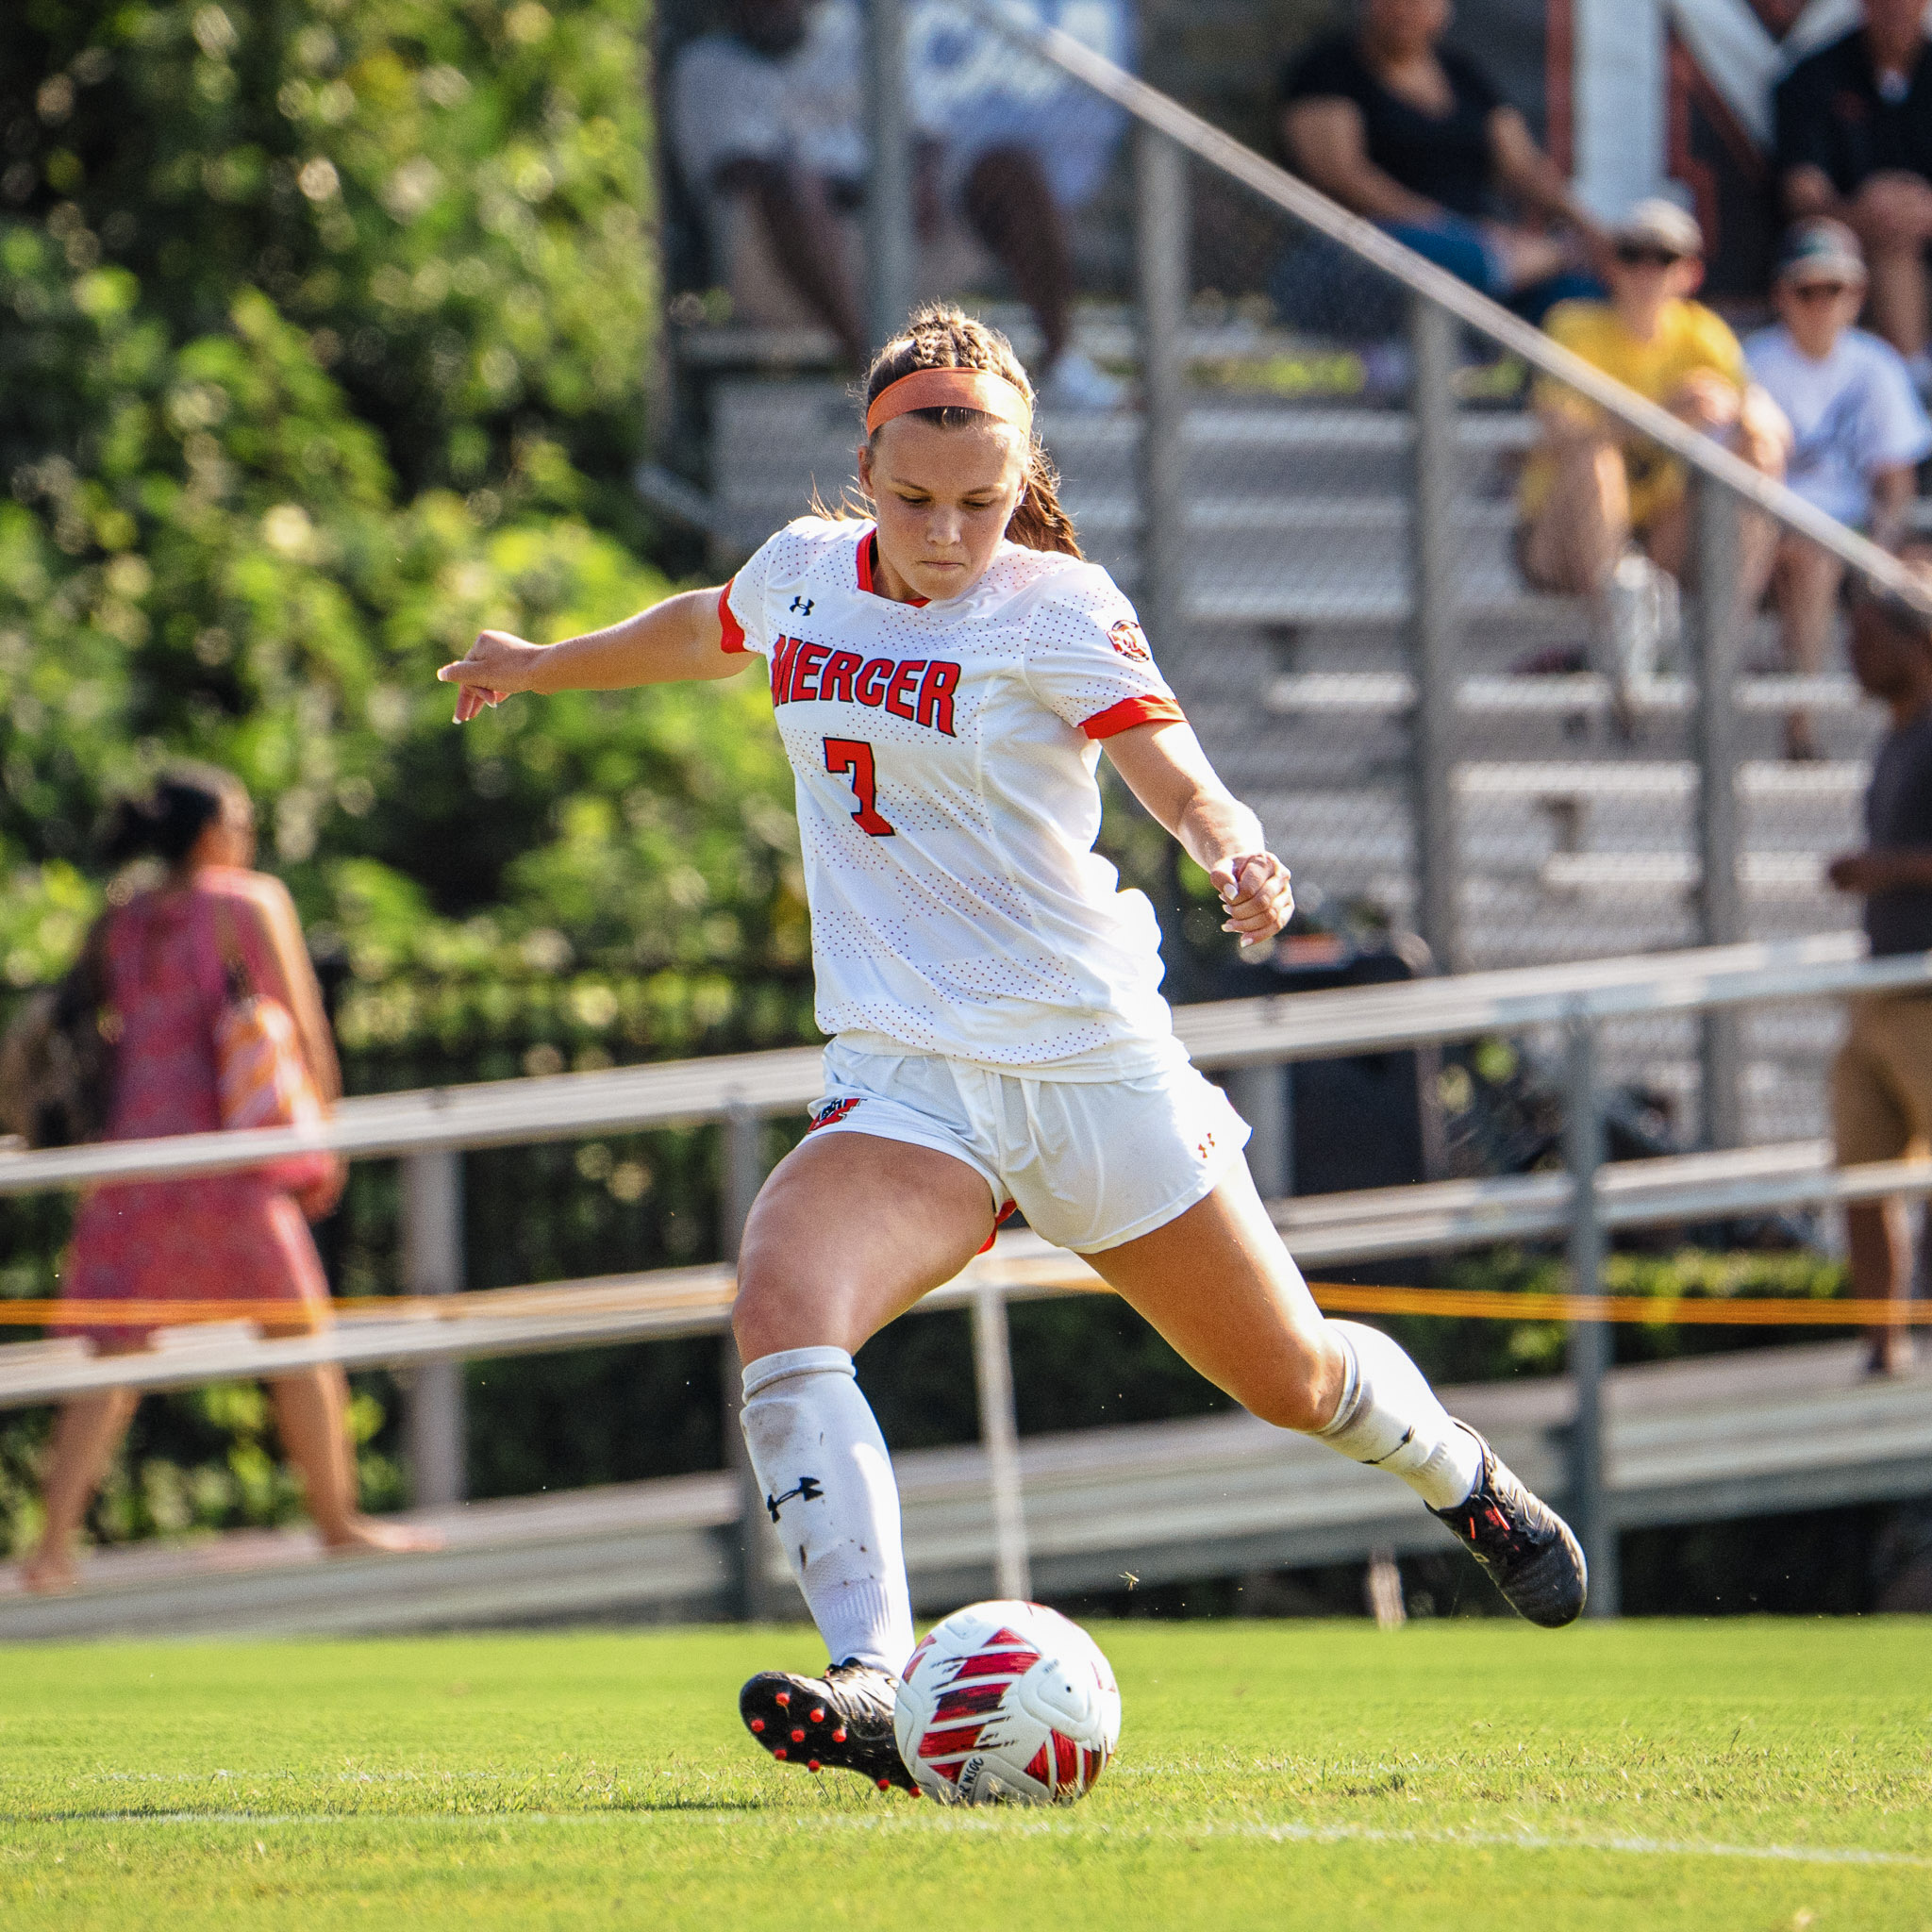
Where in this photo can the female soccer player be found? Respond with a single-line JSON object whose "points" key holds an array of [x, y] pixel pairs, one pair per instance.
{"points": [[945, 677]]}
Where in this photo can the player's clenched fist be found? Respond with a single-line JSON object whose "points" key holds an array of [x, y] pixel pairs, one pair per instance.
{"points": [[1254, 894], [498, 666]]}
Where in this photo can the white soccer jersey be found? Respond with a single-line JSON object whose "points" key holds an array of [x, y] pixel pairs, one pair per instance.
{"points": [[945, 756]]}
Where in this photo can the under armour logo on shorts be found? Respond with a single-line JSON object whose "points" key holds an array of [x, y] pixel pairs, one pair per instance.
{"points": [[806, 1491]]}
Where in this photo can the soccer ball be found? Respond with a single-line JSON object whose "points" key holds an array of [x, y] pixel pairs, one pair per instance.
{"points": [[1006, 1702]]}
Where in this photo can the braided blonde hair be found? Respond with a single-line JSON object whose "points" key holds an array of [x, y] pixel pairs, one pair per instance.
{"points": [[942, 337]]}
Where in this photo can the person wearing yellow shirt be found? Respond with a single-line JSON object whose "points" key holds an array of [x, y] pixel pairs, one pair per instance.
{"points": [[1604, 510]]}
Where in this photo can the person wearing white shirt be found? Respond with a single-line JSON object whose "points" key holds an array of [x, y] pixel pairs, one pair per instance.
{"points": [[1854, 141], [767, 125], [1858, 431]]}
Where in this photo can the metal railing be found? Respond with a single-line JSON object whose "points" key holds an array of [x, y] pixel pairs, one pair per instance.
{"points": [[1249, 1041]]}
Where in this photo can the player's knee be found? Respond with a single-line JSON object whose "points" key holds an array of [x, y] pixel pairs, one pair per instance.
{"points": [[1294, 1409], [764, 1315], [776, 1308], [1303, 1390], [1298, 1398]]}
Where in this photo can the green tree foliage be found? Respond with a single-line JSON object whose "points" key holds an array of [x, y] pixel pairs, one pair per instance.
{"points": [[448, 196], [326, 333]]}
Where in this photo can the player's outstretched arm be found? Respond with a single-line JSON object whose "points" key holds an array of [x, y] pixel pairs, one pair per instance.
{"points": [[1168, 771], [681, 638]]}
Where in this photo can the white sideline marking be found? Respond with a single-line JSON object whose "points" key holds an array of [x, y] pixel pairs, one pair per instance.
{"points": [[1017, 1822], [1506, 1840], [1546, 1842]]}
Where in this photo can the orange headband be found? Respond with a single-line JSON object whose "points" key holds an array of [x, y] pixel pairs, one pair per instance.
{"points": [[952, 388]]}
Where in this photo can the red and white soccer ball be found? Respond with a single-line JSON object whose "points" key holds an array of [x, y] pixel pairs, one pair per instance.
{"points": [[1006, 1702]]}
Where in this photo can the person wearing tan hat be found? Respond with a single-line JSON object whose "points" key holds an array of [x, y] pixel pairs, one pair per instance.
{"points": [[1602, 511], [1858, 431], [1855, 141]]}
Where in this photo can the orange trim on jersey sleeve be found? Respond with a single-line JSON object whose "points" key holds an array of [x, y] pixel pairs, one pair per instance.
{"points": [[1131, 711], [733, 639]]}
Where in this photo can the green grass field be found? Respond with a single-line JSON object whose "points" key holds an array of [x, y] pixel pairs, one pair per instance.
{"points": [[1474, 1775]]}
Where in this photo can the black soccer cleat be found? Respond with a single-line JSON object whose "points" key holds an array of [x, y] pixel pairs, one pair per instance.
{"points": [[1522, 1544], [844, 1718]]}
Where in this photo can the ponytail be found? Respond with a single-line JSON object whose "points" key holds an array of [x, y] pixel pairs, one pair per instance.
{"points": [[942, 337], [166, 823], [1039, 521]]}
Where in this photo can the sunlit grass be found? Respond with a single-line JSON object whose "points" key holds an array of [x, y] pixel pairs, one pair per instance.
{"points": [[1463, 1775]]}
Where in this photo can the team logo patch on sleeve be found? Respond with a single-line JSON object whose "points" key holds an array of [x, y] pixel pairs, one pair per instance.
{"points": [[833, 1110], [1128, 639]]}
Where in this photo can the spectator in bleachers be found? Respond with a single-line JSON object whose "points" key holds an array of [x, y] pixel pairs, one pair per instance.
{"points": [[768, 125], [1604, 512], [1416, 137], [1881, 1082], [1858, 429], [1855, 142]]}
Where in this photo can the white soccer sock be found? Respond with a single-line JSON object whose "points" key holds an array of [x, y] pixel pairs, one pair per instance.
{"points": [[1389, 1416], [827, 1481]]}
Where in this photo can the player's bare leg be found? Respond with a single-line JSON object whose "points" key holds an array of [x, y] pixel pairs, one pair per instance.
{"points": [[1219, 1287], [850, 1232]]}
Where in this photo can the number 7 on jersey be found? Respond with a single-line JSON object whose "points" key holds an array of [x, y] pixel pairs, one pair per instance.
{"points": [[854, 755]]}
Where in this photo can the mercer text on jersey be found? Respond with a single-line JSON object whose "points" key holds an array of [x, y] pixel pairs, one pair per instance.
{"points": [[918, 690]]}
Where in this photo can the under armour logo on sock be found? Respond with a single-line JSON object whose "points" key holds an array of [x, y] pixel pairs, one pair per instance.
{"points": [[806, 1491]]}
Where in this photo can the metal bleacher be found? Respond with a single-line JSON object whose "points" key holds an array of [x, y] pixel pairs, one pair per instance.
{"points": [[1272, 486]]}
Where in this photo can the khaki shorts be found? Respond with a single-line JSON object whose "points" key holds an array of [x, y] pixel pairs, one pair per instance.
{"points": [[1881, 1082]]}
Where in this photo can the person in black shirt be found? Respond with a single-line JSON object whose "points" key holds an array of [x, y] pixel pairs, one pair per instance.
{"points": [[1416, 137], [1881, 1082], [1854, 142]]}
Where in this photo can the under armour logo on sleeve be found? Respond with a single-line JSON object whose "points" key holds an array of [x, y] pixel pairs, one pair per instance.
{"points": [[806, 1491]]}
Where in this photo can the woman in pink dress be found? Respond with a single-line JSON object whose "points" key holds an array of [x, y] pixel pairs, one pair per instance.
{"points": [[169, 955]]}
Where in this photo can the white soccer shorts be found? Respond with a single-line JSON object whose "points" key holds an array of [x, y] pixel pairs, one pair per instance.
{"points": [[1091, 1164]]}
